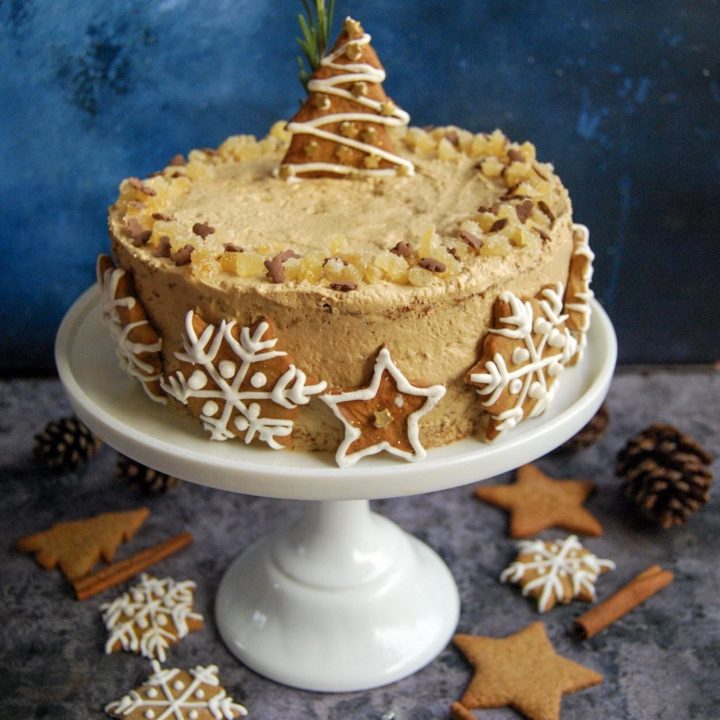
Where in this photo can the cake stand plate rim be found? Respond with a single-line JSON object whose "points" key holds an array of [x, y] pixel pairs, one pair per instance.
{"points": [[151, 434]]}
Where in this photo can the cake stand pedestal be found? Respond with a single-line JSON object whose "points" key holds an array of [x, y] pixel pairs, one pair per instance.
{"points": [[342, 599]]}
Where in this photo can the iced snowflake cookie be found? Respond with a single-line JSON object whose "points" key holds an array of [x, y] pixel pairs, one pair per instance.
{"points": [[236, 381], [555, 571], [522, 356], [151, 616], [578, 293], [172, 694]]}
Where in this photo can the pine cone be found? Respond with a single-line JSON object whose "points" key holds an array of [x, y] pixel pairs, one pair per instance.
{"points": [[141, 477], [590, 433], [666, 472], [65, 443]]}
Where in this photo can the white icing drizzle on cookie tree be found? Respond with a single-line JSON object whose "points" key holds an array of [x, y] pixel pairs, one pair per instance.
{"points": [[383, 363], [552, 561], [128, 352], [229, 410], [579, 306], [384, 113], [150, 616], [537, 337], [172, 694]]}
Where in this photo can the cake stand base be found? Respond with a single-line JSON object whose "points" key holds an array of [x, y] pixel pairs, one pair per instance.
{"points": [[341, 600]]}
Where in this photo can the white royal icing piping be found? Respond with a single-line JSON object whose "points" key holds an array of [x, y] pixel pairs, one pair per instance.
{"points": [[187, 705], [383, 363], [583, 569], [350, 72], [289, 391], [128, 353], [521, 324]]}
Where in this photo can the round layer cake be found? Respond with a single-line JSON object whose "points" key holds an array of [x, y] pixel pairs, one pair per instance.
{"points": [[340, 268]]}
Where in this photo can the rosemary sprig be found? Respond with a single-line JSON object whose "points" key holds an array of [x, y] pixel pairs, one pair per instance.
{"points": [[315, 33]]}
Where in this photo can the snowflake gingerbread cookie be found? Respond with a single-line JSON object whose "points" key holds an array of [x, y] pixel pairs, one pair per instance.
{"points": [[553, 571], [151, 616], [523, 354], [578, 293], [236, 381], [137, 344], [172, 694], [385, 415]]}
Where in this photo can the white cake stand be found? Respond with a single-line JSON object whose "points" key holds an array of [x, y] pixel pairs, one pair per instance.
{"points": [[341, 599]]}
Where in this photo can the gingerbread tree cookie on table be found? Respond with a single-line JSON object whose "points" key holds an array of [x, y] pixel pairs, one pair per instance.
{"points": [[342, 128]]}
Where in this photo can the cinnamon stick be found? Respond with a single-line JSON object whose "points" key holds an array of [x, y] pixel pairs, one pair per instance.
{"points": [[639, 589], [115, 573]]}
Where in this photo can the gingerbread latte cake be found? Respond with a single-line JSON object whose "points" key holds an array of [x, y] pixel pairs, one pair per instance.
{"points": [[349, 283]]}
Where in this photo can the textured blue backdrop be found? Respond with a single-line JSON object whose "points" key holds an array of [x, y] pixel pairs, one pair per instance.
{"points": [[622, 96]]}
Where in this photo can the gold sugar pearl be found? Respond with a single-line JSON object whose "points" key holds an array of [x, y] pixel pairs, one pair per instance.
{"points": [[349, 129], [383, 418], [354, 51]]}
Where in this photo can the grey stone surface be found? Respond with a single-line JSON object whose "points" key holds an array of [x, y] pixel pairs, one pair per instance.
{"points": [[661, 662]]}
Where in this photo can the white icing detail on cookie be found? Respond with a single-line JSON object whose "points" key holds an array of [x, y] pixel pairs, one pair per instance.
{"points": [[350, 73], [128, 352], [383, 363], [515, 386], [168, 700], [290, 389], [210, 408], [227, 368], [549, 560], [521, 325], [137, 619], [520, 355], [258, 380], [399, 400], [197, 380]]}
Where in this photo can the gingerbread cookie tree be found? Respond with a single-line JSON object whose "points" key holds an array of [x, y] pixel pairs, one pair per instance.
{"points": [[342, 128]]}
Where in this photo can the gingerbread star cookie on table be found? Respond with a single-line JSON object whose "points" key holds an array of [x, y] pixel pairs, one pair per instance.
{"points": [[537, 501], [385, 415], [522, 671]]}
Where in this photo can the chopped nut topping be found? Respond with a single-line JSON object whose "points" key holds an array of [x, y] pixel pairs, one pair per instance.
{"points": [[471, 239], [183, 256], [383, 418], [545, 210], [498, 225], [275, 269], [353, 28], [203, 229], [137, 233], [161, 216], [524, 210], [432, 265], [540, 174], [176, 160], [403, 249], [515, 155], [233, 248], [343, 287], [164, 247], [387, 108], [138, 184], [545, 237], [453, 137], [137, 204]]}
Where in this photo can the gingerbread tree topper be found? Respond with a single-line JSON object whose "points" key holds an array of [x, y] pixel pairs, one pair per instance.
{"points": [[342, 128]]}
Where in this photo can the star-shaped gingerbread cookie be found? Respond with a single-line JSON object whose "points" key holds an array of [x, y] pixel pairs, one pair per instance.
{"points": [[521, 671], [385, 415], [537, 502]]}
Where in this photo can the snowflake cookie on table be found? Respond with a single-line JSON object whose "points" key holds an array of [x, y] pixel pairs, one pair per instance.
{"points": [[523, 354], [172, 694], [237, 383], [137, 344], [553, 571], [385, 415], [151, 616]]}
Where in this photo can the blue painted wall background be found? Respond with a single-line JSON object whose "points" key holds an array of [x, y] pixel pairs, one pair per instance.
{"points": [[624, 97]]}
